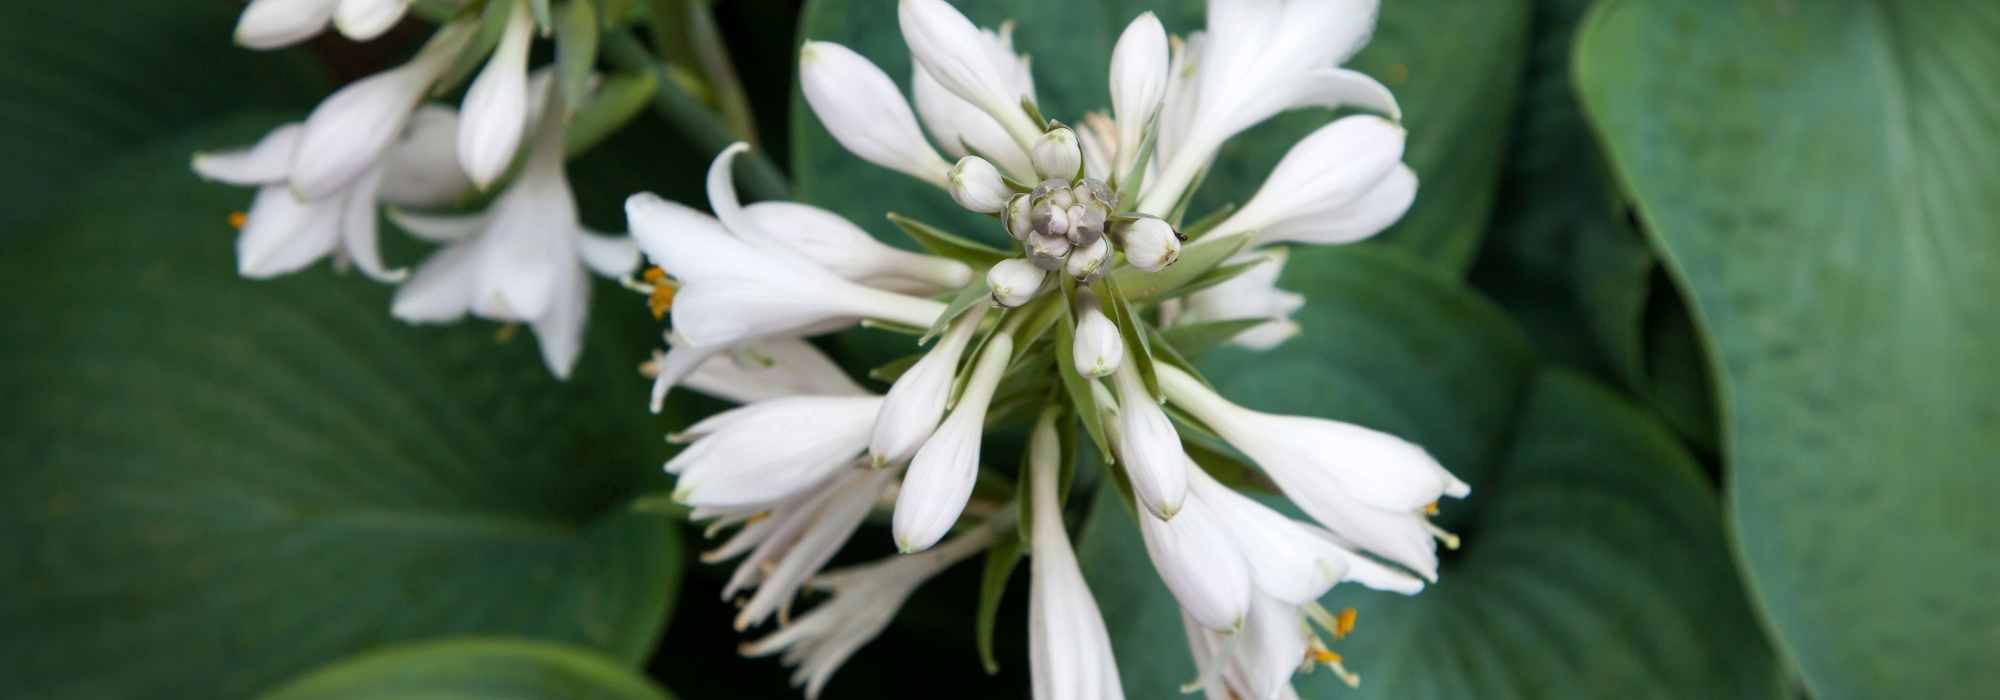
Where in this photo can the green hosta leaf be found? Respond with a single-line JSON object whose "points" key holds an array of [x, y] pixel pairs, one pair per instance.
{"points": [[490, 668], [1453, 66], [938, 242], [1000, 562], [1821, 183], [576, 49], [1193, 339], [607, 109], [1594, 566], [1197, 260], [495, 669], [220, 483]]}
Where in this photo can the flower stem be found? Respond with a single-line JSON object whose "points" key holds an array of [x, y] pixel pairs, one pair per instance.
{"points": [[760, 176], [691, 25]]}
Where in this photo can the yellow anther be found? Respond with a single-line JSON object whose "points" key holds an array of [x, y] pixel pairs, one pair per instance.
{"points": [[237, 219], [1325, 656], [1431, 509], [1344, 623], [1450, 540], [661, 299]]}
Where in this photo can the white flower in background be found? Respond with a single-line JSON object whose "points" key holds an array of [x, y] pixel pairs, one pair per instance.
{"points": [[271, 24], [1069, 653], [1250, 295], [864, 600], [1370, 488], [496, 105], [283, 233], [865, 112], [522, 260], [944, 469], [763, 453], [961, 128], [916, 402], [347, 133], [787, 544], [969, 64]]}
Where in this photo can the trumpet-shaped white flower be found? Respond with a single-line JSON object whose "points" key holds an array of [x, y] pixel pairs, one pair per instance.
{"points": [[1099, 349], [962, 129], [790, 542], [864, 111], [968, 64], [763, 453], [865, 599], [1200, 563], [496, 106], [1259, 58], [1257, 662], [1151, 244], [522, 260], [283, 233], [1292, 561], [1138, 84], [1254, 293], [916, 402], [1370, 488], [1015, 281], [1057, 155], [944, 469], [1342, 183], [347, 133], [271, 24], [1148, 445], [763, 369], [1069, 652], [976, 185]]}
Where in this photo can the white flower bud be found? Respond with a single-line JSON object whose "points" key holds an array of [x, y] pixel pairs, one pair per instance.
{"points": [[966, 62], [1086, 261], [495, 112], [941, 475], [1151, 245], [916, 402], [1138, 83], [1014, 281], [1047, 252], [1099, 348], [362, 20], [864, 111], [1056, 155], [977, 185], [1019, 225], [270, 24], [1148, 445]]}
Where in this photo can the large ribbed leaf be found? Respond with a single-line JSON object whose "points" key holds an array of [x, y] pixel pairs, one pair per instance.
{"points": [[1820, 179], [214, 483], [485, 668]]}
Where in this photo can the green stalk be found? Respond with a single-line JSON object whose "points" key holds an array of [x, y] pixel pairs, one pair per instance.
{"points": [[759, 175]]}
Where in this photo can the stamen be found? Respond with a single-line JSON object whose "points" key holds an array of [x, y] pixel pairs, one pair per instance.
{"points": [[1318, 654], [660, 297], [1346, 623], [237, 219], [505, 334], [1431, 509], [1450, 540]]}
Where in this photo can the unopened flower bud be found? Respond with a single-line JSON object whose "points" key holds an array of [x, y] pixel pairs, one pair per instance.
{"points": [[1014, 281], [1086, 261], [1099, 348], [1048, 187], [1087, 226], [1047, 252], [1056, 154], [1019, 224], [1151, 245], [977, 185], [1049, 220]]}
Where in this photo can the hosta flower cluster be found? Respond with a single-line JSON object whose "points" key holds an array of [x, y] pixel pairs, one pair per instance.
{"points": [[378, 141], [1077, 329]]}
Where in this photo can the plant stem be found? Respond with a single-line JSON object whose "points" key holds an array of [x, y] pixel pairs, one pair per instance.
{"points": [[759, 175]]}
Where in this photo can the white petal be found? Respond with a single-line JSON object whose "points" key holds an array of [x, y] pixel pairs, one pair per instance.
{"points": [[359, 225], [1138, 83], [610, 256], [348, 132], [1289, 560], [966, 63], [1149, 446], [1341, 88], [441, 228], [976, 185], [943, 471], [560, 331], [421, 170], [772, 450], [441, 290], [270, 24], [861, 107], [283, 234], [496, 106], [1099, 348], [1270, 647], [769, 369], [1200, 565], [1251, 294], [1366, 216], [267, 162], [839, 246], [1335, 165], [1070, 655], [679, 362], [961, 129], [362, 20], [916, 402]]}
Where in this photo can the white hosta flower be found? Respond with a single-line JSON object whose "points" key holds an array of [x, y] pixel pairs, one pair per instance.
{"points": [[864, 600], [1151, 244], [1015, 281], [1256, 662], [346, 133], [1200, 563], [1098, 139], [1370, 488], [789, 543], [522, 260], [1086, 262], [1138, 84], [968, 64], [1342, 183], [943, 471], [864, 111], [767, 369], [976, 185], [271, 24], [1254, 293], [1148, 445], [496, 105], [1259, 58], [829, 241], [283, 233], [1057, 155], [916, 402], [1292, 561], [1099, 349], [962, 129], [732, 290], [1069, 652], [763, 453]]}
